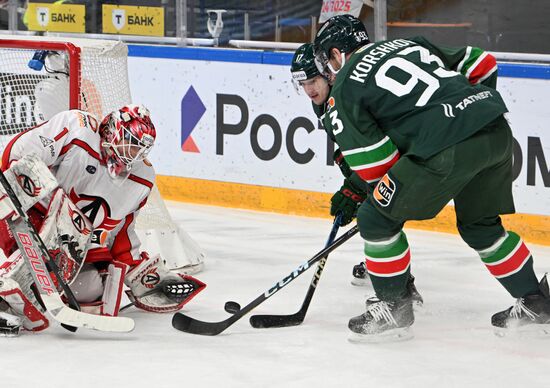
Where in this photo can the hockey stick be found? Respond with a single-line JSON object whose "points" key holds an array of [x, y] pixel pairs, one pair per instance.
{"points": [[33, 250], [267, 321], [194, 326]]}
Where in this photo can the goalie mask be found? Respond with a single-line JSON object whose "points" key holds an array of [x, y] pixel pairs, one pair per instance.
{"points": [[343, 32], [127, 137]]}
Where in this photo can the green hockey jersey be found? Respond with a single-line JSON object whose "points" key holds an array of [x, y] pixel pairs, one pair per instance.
{"points": [[409, 97]]}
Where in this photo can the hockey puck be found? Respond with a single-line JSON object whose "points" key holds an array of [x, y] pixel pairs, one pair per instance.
{"points": [[232, 307]]}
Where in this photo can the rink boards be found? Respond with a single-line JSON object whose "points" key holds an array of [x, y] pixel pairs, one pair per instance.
{"points": [[233, 131]]}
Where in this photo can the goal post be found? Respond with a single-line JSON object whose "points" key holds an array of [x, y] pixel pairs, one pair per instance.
{"points": [[41, 76]]}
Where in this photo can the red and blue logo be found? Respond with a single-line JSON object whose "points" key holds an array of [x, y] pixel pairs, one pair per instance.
{"points": [[192, 110]]}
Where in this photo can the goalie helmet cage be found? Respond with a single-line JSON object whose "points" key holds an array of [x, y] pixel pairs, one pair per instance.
{"points": [[90, 75]]}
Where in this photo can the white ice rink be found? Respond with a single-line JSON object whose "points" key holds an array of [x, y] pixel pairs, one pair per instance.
{"points": [[454, 344]]}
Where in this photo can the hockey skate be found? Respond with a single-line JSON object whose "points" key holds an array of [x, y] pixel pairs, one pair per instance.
{"points": [[529, 314], [10, 325], [361, 278], [413, 293], [384, 321]]}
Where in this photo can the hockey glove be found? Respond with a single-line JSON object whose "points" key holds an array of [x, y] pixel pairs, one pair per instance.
{"points": [[153, 287], [347, 201]]}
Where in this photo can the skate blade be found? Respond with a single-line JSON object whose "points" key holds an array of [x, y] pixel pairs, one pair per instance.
{"points": [[525, 331], [393, 335], [361, 282]]}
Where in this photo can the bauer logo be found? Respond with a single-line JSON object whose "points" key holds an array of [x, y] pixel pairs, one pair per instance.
{"points": [[192, 110], [384, 191]]}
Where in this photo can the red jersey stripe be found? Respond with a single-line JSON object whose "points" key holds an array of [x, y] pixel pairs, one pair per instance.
{"points": [[377, 172], [61, 134], [122, 246], [82, 144], [484, 67], [137, 179]]}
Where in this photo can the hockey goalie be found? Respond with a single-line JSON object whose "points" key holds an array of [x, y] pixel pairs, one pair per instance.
{"points": [[82, 184]]}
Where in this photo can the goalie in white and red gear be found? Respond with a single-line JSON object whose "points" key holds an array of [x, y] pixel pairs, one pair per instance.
{"points": [[102, 167], [127, 137]]}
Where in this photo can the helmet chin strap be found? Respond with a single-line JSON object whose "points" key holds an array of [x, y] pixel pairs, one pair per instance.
{"points": [[343, 58]]}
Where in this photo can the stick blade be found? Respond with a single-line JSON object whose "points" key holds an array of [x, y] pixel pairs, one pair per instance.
{"points": [[75, 318], [190, 325], [274, 321]]}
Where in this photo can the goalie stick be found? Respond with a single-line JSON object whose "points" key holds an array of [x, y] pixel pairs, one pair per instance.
{"points": [[187, 324], [33, 249], [267, 321]]}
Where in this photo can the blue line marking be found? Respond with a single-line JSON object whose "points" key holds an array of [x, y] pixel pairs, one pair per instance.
{"points": [[512, 70]]}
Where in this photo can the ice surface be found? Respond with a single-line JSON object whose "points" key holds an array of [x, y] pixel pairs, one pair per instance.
{"points": [[454, 344]]}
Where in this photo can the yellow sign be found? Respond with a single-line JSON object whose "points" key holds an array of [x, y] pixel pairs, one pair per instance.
{"points": [[131, 20], [57, 17]]}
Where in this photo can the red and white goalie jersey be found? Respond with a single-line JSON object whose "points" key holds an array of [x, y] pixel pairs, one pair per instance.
{"points": [[71, 146]]}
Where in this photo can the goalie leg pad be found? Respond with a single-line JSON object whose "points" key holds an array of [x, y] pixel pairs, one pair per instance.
{"points": [[32, 316], [16, 284], [114, 284]]}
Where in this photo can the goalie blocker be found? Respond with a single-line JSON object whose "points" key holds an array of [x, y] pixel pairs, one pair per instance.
{"points": [[66, 233]]}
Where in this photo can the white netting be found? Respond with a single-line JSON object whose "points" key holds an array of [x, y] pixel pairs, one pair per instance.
{"points": [[29, 97]]}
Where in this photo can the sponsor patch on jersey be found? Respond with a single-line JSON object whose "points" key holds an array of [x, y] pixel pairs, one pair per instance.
{"points": [[385, 191], [91, 169], [45, 141], [331, 103]]}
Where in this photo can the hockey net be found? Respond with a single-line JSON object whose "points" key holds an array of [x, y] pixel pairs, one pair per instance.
{"points": [[41, 76]]}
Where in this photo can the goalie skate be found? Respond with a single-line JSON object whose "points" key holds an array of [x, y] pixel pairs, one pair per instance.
{"points": [[10, 325]]}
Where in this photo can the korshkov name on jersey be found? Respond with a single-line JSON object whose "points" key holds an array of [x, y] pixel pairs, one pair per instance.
{"points": [[372, 57]]}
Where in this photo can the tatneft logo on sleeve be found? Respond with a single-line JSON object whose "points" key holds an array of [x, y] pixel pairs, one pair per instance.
{"points": [[57, 17]]}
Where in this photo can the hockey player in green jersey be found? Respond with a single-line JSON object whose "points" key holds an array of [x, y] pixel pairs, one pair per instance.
{"points": [[423, 125], [354, 189], [306, 76]]}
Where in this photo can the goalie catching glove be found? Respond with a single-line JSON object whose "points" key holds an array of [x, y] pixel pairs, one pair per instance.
{"points": [[153, 287]]}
